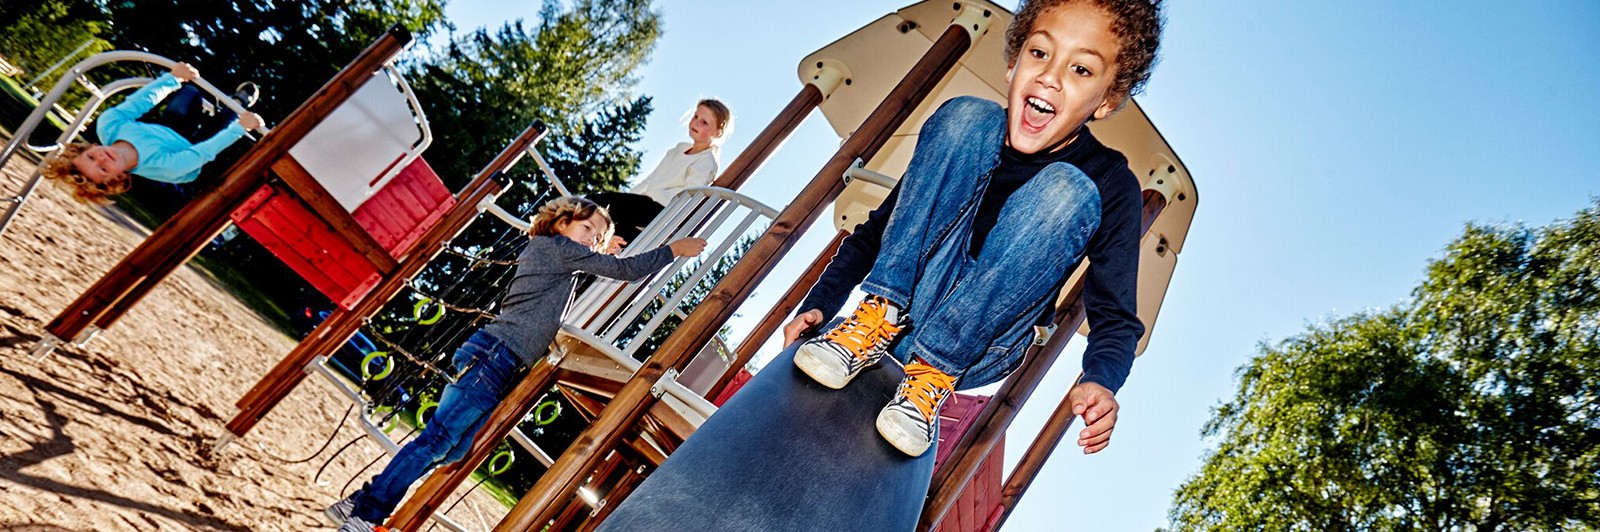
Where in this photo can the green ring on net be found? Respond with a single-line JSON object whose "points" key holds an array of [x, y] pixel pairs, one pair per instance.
{"points": [[426, 406], [539, 413], [422, 308], [496, 468], [366, 366]]}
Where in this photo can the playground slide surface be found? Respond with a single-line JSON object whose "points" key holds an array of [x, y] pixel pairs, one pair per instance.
{"points": [[786, 453]]}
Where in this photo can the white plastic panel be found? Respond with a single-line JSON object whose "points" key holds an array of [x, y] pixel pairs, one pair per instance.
{"points": [[366, 141]]}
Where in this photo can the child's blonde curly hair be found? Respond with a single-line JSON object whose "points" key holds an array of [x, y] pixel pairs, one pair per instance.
{"points": [[567, 210], [60, 168]]}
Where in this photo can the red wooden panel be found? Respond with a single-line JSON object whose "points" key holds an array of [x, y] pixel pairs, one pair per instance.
{"points": [[743, 376], [264, 234], [405, 208], [396, 217], [308, 245], [955, 418], [312, 241], [971, 510], [316, 244]]}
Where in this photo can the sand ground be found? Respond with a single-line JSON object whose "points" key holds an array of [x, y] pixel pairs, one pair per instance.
{"points": [[116, 435]]}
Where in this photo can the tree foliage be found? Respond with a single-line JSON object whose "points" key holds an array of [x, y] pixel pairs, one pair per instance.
{"points": [[570, 69], [33, 35], [1471, 406]]}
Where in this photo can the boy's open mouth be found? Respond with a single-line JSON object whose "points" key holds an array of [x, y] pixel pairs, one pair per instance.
{"points": [[1037, 113]]}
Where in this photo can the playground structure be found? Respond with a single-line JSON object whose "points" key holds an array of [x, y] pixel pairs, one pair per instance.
{"points": [[641, 413]]}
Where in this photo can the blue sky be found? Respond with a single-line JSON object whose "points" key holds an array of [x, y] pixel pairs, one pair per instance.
{"points": [[1337, 147]]}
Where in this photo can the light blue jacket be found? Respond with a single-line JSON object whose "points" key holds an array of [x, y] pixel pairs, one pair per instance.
{"points": [[164, 155]]}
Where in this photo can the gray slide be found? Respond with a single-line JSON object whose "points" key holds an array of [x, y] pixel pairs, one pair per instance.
{"points": [[786, 453]]}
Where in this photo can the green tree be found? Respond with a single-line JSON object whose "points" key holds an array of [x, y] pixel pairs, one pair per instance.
{"points": [[289, 48], [1471, 406], [34, 35], [570, 69]]}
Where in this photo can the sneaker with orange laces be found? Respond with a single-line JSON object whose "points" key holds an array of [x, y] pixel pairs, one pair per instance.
{"points": [[836, 357], [909, 420]]}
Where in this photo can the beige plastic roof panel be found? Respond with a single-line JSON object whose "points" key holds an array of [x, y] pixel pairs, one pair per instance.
{"points": [[875, 58], [366, 141]]}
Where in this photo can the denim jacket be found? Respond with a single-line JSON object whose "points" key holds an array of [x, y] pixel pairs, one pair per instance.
{"points": [[967, 134]]}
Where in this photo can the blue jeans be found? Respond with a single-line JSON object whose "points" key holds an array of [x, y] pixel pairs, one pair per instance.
{"points": [[487, 370], [183, 115], [972, 317]]}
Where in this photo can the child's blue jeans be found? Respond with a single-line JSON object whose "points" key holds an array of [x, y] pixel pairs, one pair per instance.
{"points": [[183, 115], [966, 310], [487, 368]]}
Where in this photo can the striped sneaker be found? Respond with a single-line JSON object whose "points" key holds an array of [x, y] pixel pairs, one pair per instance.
{"points": [[357, 524], [340, 511], [837, 356], [909, 420]]}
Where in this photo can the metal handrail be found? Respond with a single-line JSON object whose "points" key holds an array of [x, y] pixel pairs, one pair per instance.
{"points": [[548, 172]]}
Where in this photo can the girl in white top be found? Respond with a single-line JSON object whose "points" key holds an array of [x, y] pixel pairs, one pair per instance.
{"points": [[694, 163]]}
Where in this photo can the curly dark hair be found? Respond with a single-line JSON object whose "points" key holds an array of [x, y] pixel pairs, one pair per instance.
{"points": [[1136, 23]]}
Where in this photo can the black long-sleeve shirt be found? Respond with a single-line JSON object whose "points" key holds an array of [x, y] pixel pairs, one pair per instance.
{"points": [[1111, 284]]}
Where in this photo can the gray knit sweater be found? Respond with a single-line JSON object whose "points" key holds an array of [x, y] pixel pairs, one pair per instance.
{"points": [[530, 313]]}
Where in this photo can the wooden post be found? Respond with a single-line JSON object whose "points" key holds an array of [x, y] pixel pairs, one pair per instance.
{"points": [[198, 222], [630, 481], [341, 324], [1033, 460], [1002, 409], [774, 318], [558, 484], [430, 496], [116, 310], [749, 160]]}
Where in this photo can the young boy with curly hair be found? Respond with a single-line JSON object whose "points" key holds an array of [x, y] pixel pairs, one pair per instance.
{"points": [[567, 236], [170, 148], [995, 211]]}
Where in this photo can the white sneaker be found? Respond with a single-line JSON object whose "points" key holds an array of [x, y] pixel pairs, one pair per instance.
{"points": [[357, 524], [340, 511], [910, 420], [836, 357]]}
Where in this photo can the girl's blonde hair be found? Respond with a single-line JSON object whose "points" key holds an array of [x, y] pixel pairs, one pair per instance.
{"points": [[570, 209], [60, 168], [718, 109]]}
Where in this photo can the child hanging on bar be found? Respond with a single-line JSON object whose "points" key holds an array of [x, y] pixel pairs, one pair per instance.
{"points": [[569, 235], [998, 206], [169, 147]]}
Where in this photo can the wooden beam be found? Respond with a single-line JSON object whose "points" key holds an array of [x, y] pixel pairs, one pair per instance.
{"points": [[341, 324], [437, 487], [1034, 458], [541, 502], [630, 481], [585, 382], [326, 207], [188, 231], [770, 139], [774, 318], [1003, 408]]}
